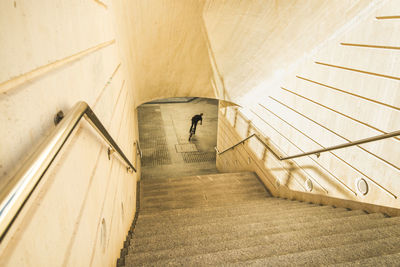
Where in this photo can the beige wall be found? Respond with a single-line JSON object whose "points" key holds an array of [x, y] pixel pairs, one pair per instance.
{"points": [[53, 54], [167, 49], [311, 105], [118, 54], [254, 43], [334, 105], [220, 49]]}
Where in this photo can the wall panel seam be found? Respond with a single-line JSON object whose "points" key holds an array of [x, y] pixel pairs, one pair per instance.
{"points": [[357, 70], [347, 92], [261, 169], [387, 17], [338, 112], [80, 214], [105, 86], [107, 187], [276, 161], [347, 163], [270, 140], [335, 133], [316, 162], [116, 104], [371, 46], [42, 70], [101, 3]]}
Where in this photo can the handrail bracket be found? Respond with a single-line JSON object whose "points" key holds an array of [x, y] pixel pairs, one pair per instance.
{"points": [[110, 151]]}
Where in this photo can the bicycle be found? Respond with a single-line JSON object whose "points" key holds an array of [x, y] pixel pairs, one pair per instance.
{"points": [[192, 132], [195, 120]]}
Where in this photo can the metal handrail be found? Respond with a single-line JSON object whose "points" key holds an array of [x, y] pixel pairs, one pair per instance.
{"points": [[318, 151], [140, 153], [244, 140], [354, 143], [25, 180]]}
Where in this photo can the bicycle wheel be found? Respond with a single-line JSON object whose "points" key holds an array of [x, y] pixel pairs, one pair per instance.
{"points": [[191, 134]]}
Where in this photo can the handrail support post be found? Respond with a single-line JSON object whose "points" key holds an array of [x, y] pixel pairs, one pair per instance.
{"points": [[110, 151]]}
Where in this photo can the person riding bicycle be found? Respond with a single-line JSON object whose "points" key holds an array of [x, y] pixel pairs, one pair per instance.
{"points": [[195, 120]]}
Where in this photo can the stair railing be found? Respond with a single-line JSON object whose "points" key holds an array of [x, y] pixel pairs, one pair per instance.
{"points": [[314, 152], [319, 151], [139, 150], [21, 185]]}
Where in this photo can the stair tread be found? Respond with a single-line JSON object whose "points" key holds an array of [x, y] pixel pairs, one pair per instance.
{"points": [[205, 176], [381, 260], [260, 246], [231, 219], [198, 181], [179, 204], [332, 255], [285, 215], [319, 256], [250, 204], [209, 190], [203, 195], [210, 211], [228, 232]]}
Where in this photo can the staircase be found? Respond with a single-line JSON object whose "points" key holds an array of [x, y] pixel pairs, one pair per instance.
{"points": [[230, 219]]}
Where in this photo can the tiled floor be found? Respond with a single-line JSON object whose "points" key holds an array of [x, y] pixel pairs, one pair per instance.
{"points": [[163, 135]]}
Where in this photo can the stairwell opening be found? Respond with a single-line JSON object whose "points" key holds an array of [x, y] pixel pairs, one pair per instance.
{"points": [[164, 132]]}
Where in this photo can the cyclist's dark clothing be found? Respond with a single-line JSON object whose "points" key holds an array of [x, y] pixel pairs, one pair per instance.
{"points": [[195, 120]]}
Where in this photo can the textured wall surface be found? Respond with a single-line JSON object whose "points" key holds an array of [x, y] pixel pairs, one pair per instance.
{"points": [[255, 42], [342, 89], [307, 74], [167, 49], [53, 54], [221, 49]]}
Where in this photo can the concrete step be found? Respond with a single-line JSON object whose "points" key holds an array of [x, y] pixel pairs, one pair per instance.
{"points": [[256, 204], [230, 219], [331, 255], [238, 235], [210, 189], [206, 235], [264, 214], [265, 229], [260, 247], [196, 178], [192, 183], [221, 201], [381, 260], [263, 205], [272, 218], [211, 193], [278, 216], [200, 181], [191, 203]]}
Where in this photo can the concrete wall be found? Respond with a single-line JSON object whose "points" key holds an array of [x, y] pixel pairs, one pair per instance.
{"points": [[254, 43], [167, 48], [344, 87], [308, 74], [53, 54]]}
